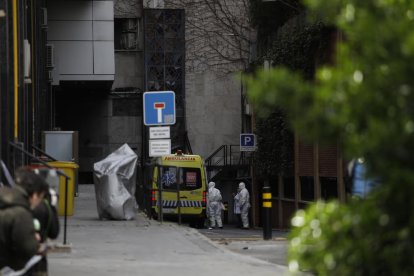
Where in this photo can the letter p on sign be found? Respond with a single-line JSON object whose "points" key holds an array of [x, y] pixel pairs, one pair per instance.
{"points": [[247, 142]]}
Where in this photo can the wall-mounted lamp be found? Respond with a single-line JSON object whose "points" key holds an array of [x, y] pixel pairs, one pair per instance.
{"points": [[2, 13]]}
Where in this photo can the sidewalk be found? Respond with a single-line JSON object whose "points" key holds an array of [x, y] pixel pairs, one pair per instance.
{"points": [[231, 232], [250, 242], [144, 247]]}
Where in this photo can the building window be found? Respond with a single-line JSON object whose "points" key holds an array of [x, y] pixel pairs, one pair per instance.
{"points": [[126, 33], [289, 187], [329, 188], [307, 188]]}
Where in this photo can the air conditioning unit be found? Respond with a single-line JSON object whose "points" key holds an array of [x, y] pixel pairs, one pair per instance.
{"points": [[43, 17], [50, 56]]}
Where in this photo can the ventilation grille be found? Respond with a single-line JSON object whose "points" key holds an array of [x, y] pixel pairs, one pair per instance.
{"points": [[50, 56]]}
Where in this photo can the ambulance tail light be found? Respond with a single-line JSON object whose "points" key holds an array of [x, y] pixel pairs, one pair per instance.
{"points": [[203, 201], [153, 198]]}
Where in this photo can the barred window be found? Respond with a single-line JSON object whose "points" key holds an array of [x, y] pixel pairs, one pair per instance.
{"points": [[126, 33]]}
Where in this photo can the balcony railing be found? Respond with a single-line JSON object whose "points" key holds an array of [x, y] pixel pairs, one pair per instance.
{"points": [[228, 155]]}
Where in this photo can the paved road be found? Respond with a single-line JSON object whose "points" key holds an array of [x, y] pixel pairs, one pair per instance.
{"points": [[144, 247]]}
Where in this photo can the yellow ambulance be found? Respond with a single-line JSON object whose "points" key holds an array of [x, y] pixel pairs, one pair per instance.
{"points": [[182, 181]]}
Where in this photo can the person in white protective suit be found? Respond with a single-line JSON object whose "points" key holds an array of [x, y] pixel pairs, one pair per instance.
{"points": [[243, 201], [214, 206]]}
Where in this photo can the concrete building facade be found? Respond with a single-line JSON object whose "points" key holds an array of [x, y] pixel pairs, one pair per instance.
{"points": [[99, 76]]}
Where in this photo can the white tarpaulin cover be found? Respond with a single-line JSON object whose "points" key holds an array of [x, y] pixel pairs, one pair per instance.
{"points": [[115, 183]]}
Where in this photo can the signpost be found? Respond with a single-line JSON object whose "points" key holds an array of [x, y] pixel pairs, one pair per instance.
{"points": [[159, 147], [247, 142], [159, 112], [159, 132], [159, 108]]}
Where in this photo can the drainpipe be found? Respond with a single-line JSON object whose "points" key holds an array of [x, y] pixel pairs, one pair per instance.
{"points": [[15, 70], [2, 14], [33, 69]]}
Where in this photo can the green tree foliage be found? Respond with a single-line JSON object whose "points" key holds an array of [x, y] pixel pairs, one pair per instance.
{"points": [[275, 153], [366, 100], [266, 17], [298, 46]]}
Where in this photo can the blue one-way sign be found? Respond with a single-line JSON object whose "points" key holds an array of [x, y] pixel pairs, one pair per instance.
{"points": [[247, 142], [159, 108]]}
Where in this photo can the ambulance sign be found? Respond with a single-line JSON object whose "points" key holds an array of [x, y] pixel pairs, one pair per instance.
{"points": [[247, 142]]}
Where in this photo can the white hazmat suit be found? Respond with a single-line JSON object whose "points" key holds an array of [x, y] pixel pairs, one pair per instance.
{"points": [[242, 200], [214, 205]]}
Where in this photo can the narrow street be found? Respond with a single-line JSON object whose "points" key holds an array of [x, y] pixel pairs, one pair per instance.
{"points": [[146, 247]]}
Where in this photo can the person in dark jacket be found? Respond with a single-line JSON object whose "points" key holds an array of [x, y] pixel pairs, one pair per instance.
{"points": [[18, 240], [47, 216]]}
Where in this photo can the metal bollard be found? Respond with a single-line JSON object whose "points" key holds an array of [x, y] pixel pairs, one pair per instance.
{"points": [[267, 213]]}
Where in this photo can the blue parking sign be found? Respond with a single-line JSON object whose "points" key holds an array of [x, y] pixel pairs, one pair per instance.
{"points": [[159, 108], [247, 142]]}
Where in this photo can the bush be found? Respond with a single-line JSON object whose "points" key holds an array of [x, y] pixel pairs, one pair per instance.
{"points": [[365, 101], [359, 238]]}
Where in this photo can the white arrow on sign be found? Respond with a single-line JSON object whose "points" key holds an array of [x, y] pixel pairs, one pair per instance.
{"points": [[159, 107]]}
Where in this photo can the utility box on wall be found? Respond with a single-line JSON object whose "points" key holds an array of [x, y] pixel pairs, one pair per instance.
{"points": [[61, 145]]}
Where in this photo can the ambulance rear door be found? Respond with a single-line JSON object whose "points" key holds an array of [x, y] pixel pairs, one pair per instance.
{"points": [[181, 185]]}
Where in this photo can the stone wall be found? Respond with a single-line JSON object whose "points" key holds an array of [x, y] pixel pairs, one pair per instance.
{"points": [[213, 111]]}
